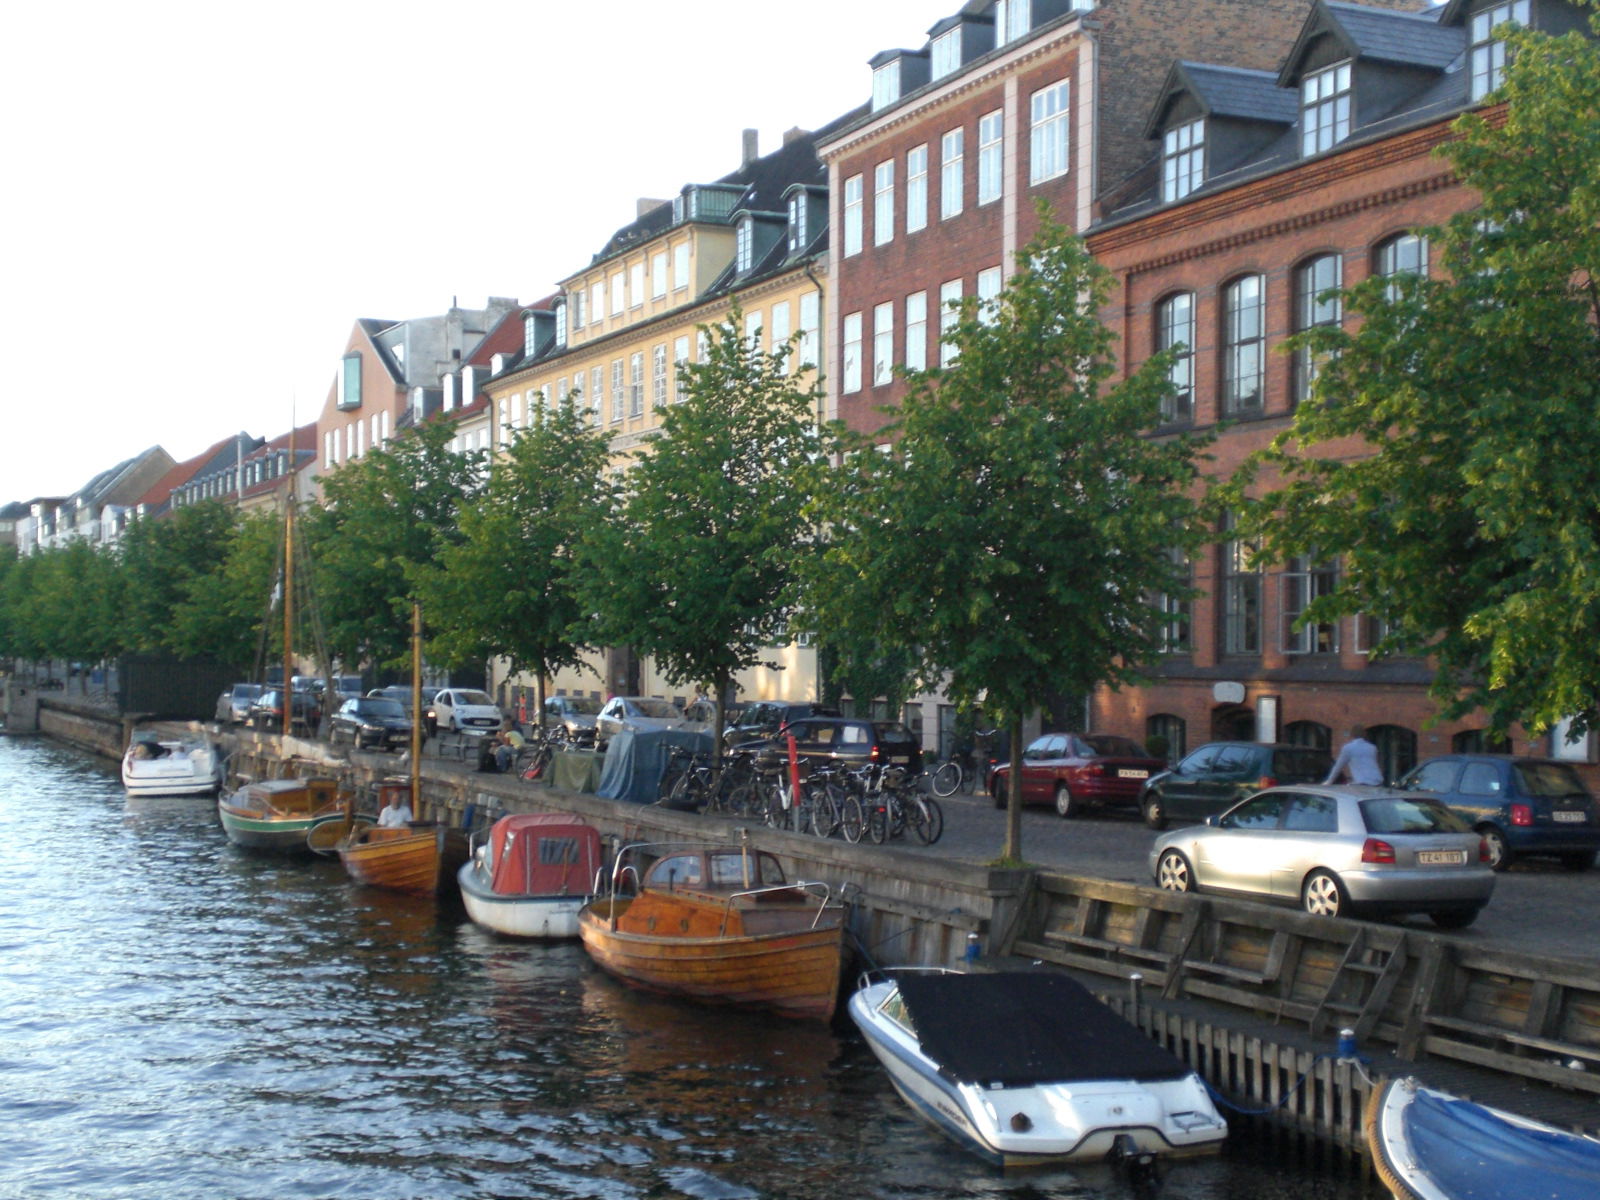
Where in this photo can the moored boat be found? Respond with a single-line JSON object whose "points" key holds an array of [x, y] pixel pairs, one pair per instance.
{"points": [[276, 814], [719, 924], [532, 874], [170, 765], [419, 857], [1430, 1145], [1027, 1068]]}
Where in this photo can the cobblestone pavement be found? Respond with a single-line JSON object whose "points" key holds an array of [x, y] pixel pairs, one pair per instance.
{"points": [[1537, 907]]}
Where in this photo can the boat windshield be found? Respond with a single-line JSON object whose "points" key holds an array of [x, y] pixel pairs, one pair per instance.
{"points": [[894, 1008]]}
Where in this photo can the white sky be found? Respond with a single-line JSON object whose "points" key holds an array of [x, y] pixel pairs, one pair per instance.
{"points": [[200, 198]]}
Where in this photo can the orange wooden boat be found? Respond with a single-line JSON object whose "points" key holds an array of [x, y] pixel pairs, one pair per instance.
{"points": [[720, 924], [420, 858]]}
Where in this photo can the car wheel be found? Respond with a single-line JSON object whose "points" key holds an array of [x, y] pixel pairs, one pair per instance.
{"points": [[1500, 855], [1581, 860], [1155, 812], [1323, 895], [1454, 918], [997, 792], [1173, 872], [1066, 805]]}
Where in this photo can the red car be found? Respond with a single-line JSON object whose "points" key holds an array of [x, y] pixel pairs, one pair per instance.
{"points": [[1078, 770]]}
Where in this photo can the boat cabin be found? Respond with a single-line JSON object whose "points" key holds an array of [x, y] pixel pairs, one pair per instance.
{"points": [[715, 869], [543, 854]]}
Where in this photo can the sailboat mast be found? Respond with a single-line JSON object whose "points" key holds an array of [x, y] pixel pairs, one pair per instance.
{"points": [[288, 587], [416, 708]]}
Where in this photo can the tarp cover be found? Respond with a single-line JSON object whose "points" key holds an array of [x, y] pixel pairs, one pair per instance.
{"points": [[543, 854], [1020, 1028], [635, 761], [1470, 1151]]}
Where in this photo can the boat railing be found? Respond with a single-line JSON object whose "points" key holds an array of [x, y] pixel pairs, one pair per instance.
{"points": [[881, 974], [822, 891]]}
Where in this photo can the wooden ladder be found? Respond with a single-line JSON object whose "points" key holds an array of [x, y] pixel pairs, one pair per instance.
{"points": [[1372, 972]]}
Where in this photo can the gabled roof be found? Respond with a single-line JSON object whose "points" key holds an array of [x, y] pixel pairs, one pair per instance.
{"points": [[1376, 35], [218, 452], [1229, 92]]}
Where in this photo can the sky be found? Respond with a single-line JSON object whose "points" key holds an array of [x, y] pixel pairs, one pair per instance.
{"points": [[200, 199]]}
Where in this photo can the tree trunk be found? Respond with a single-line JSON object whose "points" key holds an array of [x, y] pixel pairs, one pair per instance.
{"points": [[1013, 849]]}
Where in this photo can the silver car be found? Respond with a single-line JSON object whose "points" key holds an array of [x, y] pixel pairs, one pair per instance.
{"points": [[635, 713], [1334, 850]]}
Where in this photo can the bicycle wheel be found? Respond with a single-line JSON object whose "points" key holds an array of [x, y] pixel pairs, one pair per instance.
{"points": [[852, 821], [878, 820], [969, 778], [824, 812], [683, 794], [946, 778], [777, 812], [742, 799], [926, 819]]}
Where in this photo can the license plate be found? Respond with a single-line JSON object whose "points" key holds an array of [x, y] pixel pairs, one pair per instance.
{"points": [[1127, 773], [1432, 857], [1575, 816]]}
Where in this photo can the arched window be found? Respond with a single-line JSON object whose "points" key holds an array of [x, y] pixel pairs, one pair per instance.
{"points": [[1479, 741], [1312, 307], [1175, 328], [1308, 733], [1244, 348], [1173, 730], [1397, 749], [1404, 254]]}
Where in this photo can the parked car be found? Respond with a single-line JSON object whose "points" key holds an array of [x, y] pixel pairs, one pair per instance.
{"points": [[1078, 770], [233, 706], [576, 714], [849, 741], [763, 718], [266, 711], [1335, 851], [402, 693], [633, 713], [466, 710], [1520, 806], [1219, 774], [367, 721]]}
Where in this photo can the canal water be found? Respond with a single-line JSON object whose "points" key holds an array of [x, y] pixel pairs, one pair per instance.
{"points": [[180, 1019]]}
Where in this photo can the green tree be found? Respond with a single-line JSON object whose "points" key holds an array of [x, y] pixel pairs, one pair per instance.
{"points": [[161, 559], [382, 518], [1015, 538], [222, 612], [697, 565], [508, 588], [1448, 461]]}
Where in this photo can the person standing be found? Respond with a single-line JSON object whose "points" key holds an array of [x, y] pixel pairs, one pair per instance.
{"points": [[1357, 761]]}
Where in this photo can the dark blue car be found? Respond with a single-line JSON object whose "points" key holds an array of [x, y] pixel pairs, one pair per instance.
{"points": [[1520, 806]]}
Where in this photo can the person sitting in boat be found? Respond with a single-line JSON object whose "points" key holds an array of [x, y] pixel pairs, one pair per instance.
{"points": [[396, 814], [146, 747]]}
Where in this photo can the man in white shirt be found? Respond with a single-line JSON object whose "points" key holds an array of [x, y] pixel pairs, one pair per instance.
{"points": [[1358, 760], [396, 814]]}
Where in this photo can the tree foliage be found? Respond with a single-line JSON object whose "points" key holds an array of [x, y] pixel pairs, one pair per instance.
{"points": [[222, 612], [509, 588], [1014, 539], [162, 561], [1448, 459], [696, 567]]}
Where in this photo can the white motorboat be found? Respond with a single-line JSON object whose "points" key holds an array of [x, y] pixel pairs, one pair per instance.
{"points": [[531, 875], [171, 765], [1028, 1068]]}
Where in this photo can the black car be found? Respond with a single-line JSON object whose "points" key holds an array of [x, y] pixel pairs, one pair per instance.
{"points": [[368, 721], [266, 712], [402, 693], [848, 741], [1518, 806], [1219, 774], [764, 718]]}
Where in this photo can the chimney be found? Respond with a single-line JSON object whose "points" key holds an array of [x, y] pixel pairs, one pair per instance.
{"points": [[751, 153], [795, 134]]}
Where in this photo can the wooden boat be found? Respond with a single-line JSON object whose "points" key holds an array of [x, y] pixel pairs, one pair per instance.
{"points": [[1028, 1068], [719, 924], [172, 765], [276, 814], [420, 858], [532, 875], [1430, 1145]]}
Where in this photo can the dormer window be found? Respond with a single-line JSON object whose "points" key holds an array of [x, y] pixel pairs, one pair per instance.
{"points": [[946, 53], [1488, 53], [799, 236], [561, 322], [885, 84], [1183, 159], [744, 241], [1012, 19], [530, 335], [1325, 108], [350, 381]]}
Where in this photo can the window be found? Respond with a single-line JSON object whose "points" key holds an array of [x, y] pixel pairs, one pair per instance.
{"points": [[1489, 54], [885, 85], [952, 185], [579, 299], [680, 266], [530, 336], [883, 203], [1241, 594], [1307, 580], [1406, 254], [1397, 748], [680, 355], [1324, 108], [658, 275], [779, 327], [1173, 732], [917, 331], [597, 391], [1244, 346], [852, 215], [1313, 735], [752, 331], [1175, 332], [1311, 308], [1174, 607], [991, 156], [949, 318], [883, 344], [619, 299], [852, 353], [916, 189], [744, 245], [658, 375], [617, 382], [989, 284], [561, 325], [1469, 741], [1047, 149], [798, 237], [350, 381], [946, 53], [636, 284], [1183, 159], [636, 384], [597, 299], [1012, 19], [810, 317]]}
